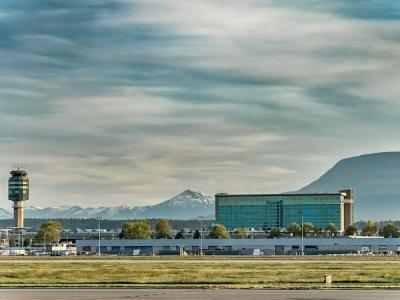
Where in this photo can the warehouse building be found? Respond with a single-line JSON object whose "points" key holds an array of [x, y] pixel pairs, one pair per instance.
{"points": [[263, 211], [283, 246]]}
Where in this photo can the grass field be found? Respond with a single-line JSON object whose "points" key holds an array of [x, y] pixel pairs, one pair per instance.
{"points": [[208, 272]]}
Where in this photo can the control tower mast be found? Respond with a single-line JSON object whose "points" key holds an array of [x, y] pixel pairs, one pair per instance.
{"points": [[18, 192]]}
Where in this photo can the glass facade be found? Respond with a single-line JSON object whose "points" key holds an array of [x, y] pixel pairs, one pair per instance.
{"points": [[269, 211], [18, 186], [249, 212]]}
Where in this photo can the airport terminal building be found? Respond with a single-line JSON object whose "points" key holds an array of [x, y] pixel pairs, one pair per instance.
{"points": [[263, 211], [281, 246]]}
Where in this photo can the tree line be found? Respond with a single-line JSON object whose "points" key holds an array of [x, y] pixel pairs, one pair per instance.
{"points": [[383, 228], [368, 228], [142, 230], [93, 223], [50, 232]]}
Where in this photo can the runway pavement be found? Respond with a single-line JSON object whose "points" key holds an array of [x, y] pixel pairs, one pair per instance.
{"points": [[203, 294], [217, 260]]}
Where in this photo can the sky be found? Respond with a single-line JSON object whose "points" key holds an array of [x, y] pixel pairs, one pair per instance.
{"points": [[112, 103]]}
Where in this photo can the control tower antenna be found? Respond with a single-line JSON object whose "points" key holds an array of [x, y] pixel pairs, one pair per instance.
{"points": [[18, 166]]}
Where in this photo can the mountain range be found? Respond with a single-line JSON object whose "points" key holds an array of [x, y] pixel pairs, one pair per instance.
{"points": [[187, 205], [374, 177]]}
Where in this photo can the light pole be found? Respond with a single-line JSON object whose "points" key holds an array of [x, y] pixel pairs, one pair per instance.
{"points": [[22, 239], [302, 235], [99, 238], [8, 237], [201, 236], [44, 240], [67, 232]]}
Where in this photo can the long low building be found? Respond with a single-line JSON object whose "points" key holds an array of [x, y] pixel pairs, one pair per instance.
{"points": [[267, 211], [283, 246]]}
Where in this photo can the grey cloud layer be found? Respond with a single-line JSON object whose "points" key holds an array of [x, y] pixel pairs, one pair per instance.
{"points": [[128, 102]]}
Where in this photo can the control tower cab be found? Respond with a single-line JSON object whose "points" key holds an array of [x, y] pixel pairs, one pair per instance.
{"points": [[18, 192]]}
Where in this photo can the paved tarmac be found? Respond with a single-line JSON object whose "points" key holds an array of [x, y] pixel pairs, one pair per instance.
{"points": [[208, 260], [195, 294]]}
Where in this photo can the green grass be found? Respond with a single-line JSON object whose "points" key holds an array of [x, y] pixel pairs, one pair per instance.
{"points": [[209, 272]]}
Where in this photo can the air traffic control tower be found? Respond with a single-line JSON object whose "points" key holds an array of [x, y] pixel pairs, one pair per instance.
{"points": [[18, 192]]}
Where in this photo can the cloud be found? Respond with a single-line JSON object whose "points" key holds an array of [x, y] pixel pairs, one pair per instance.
{"points": [[129, 102]]}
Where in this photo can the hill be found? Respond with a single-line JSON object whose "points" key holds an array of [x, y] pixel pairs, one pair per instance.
{"points": [[375, 179]]}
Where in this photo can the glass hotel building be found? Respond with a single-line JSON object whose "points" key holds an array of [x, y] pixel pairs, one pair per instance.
{"points": [[281, 210]]}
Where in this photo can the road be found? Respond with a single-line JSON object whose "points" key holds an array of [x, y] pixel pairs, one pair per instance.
{"points": [[194, 294]]}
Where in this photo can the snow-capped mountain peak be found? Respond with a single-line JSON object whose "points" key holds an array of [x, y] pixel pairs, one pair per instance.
{"points": [[189, 197], [187, 205]]}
